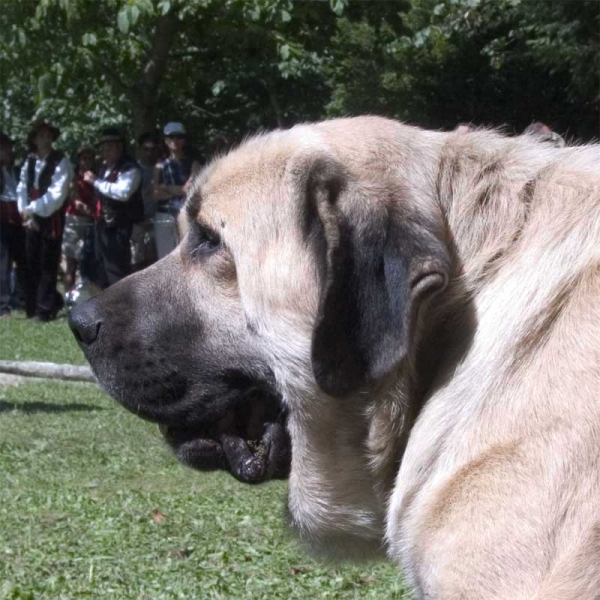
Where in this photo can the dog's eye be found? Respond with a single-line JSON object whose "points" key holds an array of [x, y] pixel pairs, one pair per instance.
{"points": [[203, 241]]}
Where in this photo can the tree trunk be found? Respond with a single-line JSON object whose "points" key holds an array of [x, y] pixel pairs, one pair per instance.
{"points": [[271, 92], [144, 114], [144, 93]]}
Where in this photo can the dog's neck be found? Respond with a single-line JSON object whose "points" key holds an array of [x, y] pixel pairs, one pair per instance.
{"points": [[525, 262], [484, 221]]}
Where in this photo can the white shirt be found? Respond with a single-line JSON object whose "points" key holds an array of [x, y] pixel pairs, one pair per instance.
{"points": [[10, 186], [55, 195], [121, 189]]}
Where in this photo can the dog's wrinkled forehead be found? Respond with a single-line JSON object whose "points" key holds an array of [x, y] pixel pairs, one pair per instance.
{"points": [[251, 179], [245, 213]]}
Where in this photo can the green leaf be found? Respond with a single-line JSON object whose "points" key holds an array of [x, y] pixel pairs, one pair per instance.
{"points": [[255, 13], [44, 85], [284, 52], [123, 21], [134, 13], [218, 87], [89, 39], [439, 9], [165, 6], [285, 16], [338, 6], [145, 6]]}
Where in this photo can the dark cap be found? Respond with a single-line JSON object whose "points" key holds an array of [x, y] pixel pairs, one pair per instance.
{"points": [[110, 134], [86, 150]]}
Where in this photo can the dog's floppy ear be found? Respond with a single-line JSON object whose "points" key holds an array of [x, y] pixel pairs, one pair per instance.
{"points": [[379, 262]]}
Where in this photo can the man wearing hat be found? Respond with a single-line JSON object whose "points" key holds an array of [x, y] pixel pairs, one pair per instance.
{"points": [[12, 234], [121, 205], [171, 179], [42, 191]]}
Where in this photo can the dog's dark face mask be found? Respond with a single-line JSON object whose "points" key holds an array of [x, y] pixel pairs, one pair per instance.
{"points": [[170, 353]]}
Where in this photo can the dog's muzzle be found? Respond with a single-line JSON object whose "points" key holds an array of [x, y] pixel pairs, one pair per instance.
{"points": [[246, 436]]}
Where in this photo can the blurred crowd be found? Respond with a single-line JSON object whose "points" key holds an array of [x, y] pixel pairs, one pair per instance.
{"points": [[96, 221]]}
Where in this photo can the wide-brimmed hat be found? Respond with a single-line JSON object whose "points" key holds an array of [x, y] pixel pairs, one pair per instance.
{"points": [[174, 128], [35, 128], [111, 134]]}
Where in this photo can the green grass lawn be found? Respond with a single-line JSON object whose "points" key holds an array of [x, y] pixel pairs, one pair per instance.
{"points": [[21, 339], [92, 505]]}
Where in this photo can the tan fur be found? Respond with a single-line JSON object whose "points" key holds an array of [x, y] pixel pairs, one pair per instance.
{"points": [[498, 492]]}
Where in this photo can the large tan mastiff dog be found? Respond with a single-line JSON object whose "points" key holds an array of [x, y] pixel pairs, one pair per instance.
{"points": [[420, 312]]}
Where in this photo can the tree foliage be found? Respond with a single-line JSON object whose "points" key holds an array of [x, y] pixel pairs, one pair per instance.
{"points": [[506, 62], [229, 67]]}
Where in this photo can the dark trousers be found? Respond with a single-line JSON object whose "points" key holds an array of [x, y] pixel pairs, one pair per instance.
{"points": [[12, 250], [87, 266], [113, 252], [43, 260]]}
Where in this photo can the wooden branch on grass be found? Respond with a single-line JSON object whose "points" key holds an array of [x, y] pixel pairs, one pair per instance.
{"points": [[47, 370]]}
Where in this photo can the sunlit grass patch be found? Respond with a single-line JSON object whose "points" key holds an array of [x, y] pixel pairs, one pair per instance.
{"points": [[22, 339], [93, 505]]}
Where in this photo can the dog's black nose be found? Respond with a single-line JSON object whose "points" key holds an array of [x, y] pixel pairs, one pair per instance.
{"points": [[85, 322]]}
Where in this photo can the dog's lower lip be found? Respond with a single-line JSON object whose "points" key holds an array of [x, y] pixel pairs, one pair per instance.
{"points": [[249, 461], [249, 441]]}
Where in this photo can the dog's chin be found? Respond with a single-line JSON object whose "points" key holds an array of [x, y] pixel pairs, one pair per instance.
{"points": [[249, 440], [238, 426]]}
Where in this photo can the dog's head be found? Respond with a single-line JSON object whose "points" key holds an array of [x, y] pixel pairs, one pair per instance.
{"points": [[289, 311]]}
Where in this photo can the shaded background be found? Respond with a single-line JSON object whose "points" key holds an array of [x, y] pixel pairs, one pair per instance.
{"points": [[227, 68]]}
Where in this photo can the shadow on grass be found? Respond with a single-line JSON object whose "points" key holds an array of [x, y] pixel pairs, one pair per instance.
{"points": [[34, 406]]}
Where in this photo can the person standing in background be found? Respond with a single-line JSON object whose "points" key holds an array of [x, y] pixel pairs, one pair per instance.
{"points": [[42, 192], [118, 190], [148, 154], [81, 213], [12, 234], [143, 245], [171, 181]]}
